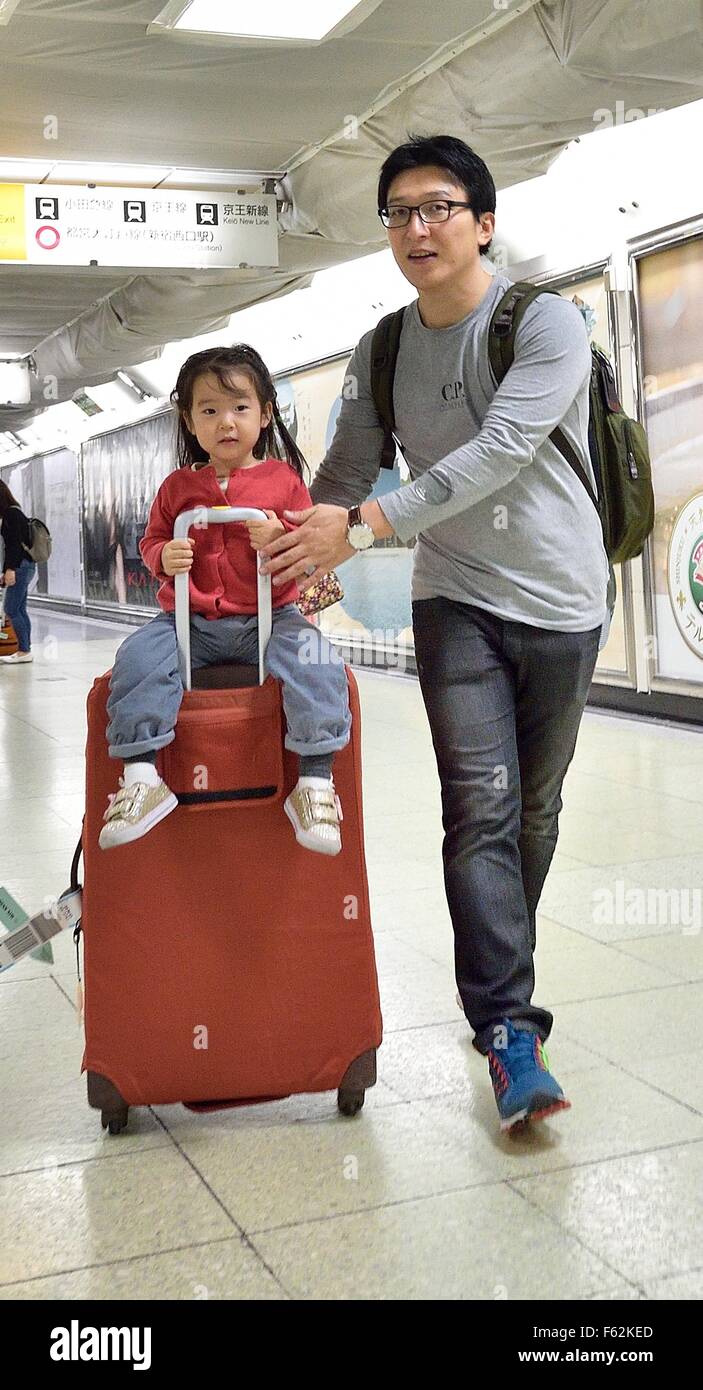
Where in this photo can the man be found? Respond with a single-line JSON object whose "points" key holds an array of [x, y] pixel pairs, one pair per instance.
{"points": [[509, 579]]}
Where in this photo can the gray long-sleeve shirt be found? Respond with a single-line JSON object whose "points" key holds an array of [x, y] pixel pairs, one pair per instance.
{"points": [[502, 520]]}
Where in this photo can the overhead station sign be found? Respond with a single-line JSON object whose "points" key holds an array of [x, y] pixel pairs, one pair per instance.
{"points": [[50, 224]]}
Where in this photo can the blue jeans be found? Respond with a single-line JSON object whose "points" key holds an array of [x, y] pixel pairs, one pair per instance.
{"points": [[504, 702], [146, 688], [16, 603]]}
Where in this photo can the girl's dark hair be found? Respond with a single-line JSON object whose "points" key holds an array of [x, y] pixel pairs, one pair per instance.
{"points": [[274, 441], [6, 499], [458, 160]]}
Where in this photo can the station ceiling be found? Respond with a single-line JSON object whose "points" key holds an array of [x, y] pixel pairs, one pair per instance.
{"points": [[517, 80]]}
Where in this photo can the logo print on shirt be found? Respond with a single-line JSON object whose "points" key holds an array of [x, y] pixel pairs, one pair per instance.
{"points": [[453, 393]]}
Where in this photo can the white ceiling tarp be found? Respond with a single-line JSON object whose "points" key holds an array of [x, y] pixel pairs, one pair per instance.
{"points": [[516, 81]]}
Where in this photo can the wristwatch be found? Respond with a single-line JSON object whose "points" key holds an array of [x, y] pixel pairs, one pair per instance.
{"points": [[359, 533]]}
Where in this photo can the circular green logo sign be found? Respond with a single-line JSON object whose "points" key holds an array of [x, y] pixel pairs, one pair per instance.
{"points": [[685, 572]]}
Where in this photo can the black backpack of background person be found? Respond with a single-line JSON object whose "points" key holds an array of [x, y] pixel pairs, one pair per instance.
{"points": [[617, 444]]}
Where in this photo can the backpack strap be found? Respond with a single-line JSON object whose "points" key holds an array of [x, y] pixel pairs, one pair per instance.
{"points": [[559, 438], [384, 355], [505, 321]]}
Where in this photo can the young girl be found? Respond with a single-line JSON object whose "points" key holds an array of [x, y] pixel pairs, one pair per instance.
{"points": [[227, 455]]}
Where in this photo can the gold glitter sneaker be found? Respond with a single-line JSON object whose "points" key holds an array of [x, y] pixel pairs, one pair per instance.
{"points": [[314, 810], [134, 811]]}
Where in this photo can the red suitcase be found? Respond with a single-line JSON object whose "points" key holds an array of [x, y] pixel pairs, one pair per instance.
{"points": [[225, 964]]}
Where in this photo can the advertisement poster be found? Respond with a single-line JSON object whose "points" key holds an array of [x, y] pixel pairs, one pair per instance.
{"points": [[122, 473], [671, 317]]}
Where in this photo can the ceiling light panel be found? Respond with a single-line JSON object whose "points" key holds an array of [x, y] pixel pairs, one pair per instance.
{"points": [[270, 21], [273, 19]]}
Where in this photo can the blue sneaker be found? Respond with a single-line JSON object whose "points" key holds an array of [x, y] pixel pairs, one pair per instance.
{"points": [[523, 1085]]}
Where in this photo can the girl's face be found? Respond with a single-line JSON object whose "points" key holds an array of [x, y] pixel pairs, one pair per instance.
{"points": [[227, 421]]}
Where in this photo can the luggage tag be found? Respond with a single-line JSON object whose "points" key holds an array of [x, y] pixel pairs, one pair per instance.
{"points": [[26, 933]]}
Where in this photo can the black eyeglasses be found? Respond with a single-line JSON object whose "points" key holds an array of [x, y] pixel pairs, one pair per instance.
{"points": [[399, 216]]}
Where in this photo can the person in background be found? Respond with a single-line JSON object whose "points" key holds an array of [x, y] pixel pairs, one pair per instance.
{"points": [[19, 570]]}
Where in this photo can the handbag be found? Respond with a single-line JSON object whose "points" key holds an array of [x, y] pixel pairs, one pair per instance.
{"points": [[323, 594], [8, 637]]}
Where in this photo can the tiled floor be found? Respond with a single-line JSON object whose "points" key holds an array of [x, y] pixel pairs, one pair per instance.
{"points": [[419, 1196]]}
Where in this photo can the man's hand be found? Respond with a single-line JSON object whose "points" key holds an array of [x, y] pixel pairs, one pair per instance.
{"points": [[263, 532], [9, 578], [177, 556], [316, 547]]}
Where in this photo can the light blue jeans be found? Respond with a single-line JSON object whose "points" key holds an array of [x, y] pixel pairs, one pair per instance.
{"points": [[16, 603], [146, 688]]}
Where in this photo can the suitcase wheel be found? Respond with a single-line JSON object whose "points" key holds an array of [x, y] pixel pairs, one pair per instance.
{"points": [[350, 1102], [114, 1123]]}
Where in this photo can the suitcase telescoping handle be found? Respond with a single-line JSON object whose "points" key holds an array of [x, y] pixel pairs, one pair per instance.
{"points": [[218, 516]]}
